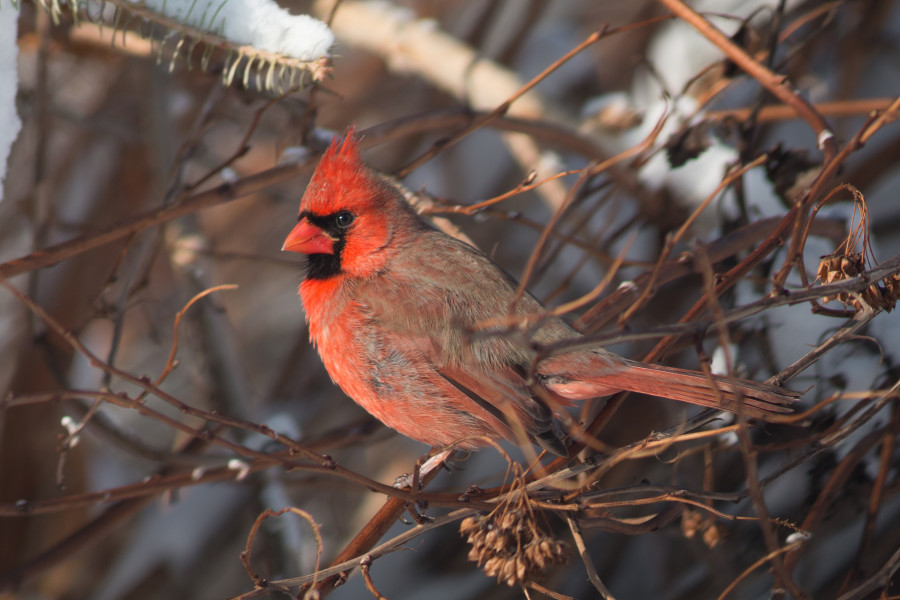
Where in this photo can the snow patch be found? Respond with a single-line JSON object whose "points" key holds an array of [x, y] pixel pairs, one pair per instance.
{"points": [[9, 119], [261, 24]]}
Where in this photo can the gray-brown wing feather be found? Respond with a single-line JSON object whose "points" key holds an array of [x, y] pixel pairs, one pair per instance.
{"points": [[447, 302]]}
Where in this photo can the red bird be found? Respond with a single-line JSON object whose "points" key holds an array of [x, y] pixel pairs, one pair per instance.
{"points": [[393, 306]]}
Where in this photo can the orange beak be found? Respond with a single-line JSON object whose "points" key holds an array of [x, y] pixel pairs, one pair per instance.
{"points": [[306, 238]]}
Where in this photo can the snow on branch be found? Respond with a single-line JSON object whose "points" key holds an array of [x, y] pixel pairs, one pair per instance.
{"points": [[9, 120], [261, 40]]}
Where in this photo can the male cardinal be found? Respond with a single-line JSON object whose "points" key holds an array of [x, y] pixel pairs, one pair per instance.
{"points": [[394, 307]]}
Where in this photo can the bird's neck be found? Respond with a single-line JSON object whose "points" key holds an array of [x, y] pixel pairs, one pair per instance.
{"points": [[323, 300]]}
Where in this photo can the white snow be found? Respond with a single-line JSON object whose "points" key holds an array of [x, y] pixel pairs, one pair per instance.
{"points": [[678, 53], [9, 120], [261, 24]]}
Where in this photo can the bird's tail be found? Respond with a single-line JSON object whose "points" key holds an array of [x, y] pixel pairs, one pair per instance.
{"points": [[758, 400]]}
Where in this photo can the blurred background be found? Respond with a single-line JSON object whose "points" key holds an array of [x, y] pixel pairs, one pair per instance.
{"points": [[103, 498]]}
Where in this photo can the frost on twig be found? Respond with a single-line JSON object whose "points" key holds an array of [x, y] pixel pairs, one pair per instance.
{"points": [[262, 43]]}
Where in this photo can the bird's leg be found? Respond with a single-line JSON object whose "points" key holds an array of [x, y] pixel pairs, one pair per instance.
{"points": [[417, 511], [435, 461], [422, 469]]}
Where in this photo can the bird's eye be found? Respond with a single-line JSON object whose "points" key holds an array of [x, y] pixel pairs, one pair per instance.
{"points": [[344, 219]]}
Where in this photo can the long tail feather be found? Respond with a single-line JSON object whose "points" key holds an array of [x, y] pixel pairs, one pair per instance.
{"points": [[757, 400]]}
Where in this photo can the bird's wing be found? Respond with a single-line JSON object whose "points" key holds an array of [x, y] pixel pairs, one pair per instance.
{"points": [[430, 312]]}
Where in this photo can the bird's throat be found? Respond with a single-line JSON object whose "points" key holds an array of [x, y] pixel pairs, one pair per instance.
{"points": [[323, 266]]}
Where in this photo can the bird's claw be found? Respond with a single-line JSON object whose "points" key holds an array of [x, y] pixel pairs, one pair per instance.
{"points": [[404, 480]]}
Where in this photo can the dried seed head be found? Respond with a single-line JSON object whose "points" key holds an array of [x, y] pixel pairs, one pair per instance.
{"points": [[713, 535], [531, 555], [522, 568], [837, 267], [495, 539], [493, 566], [703, 525], [891, 291], [469, 524], [510, 546], [692, 521], [559, 551], [879, 296], [508, 571], [510, 520]]}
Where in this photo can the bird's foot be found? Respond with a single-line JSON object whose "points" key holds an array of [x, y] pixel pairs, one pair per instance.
{"points": [[414, 480], [403, 480]]}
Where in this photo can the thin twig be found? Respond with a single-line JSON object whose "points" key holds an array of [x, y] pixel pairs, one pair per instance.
{"points": [[246, 553], [756, 564], [880, 580], [364, 565], [749, 454], [776, 84], [593, 576], [502, 108]]}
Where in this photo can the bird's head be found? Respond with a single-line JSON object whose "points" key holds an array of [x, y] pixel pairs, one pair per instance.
{"points": [[349, 216]]}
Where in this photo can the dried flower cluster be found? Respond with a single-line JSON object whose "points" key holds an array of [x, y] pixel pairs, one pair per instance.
{"points": [[695, 523], [837, 267], [509, 545]]}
